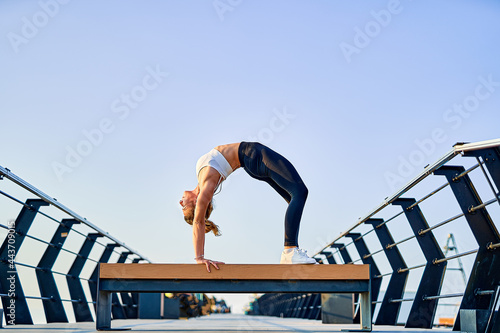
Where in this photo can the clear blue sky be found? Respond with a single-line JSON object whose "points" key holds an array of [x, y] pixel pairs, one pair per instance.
{"points": [[107, 105]]}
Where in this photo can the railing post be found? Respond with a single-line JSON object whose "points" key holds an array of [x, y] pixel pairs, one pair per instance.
{"points": [[308, 305], [303, 306], [118, 310], [297, 305], [275, 300], [284, 305], [423, 311], [329, 257], [81, 309], [491, 158], [315, 306], [389, 312], [106, 254], [485, 273], [343, 252], [360, 244], [54, 309], [8, 273], [286, 299], [294, 301]]}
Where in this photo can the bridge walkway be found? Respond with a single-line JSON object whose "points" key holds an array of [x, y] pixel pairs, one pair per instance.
{"points": [[227, 323]]}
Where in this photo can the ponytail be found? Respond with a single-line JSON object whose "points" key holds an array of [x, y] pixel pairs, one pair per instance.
{"points": [[210, 226]]}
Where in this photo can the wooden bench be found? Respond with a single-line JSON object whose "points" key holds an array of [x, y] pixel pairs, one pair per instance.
{"points": [[231, 278]]}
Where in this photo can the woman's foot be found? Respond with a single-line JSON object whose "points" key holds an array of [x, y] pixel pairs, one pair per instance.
{"points": [[296, 256]]}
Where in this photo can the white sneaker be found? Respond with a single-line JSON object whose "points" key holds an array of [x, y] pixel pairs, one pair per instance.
{"points": [[296, 256]]}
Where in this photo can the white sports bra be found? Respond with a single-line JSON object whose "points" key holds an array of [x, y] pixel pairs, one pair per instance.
{"points": [[217, 161]]}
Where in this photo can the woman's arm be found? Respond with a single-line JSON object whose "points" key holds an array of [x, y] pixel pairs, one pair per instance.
{"points": [[199, 224], [204, 199]]}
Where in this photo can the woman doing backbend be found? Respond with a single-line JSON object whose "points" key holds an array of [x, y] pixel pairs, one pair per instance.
{"points": [[261, 163]]}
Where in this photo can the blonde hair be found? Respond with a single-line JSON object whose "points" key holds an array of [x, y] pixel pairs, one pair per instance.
{"points": [[209, 225]]}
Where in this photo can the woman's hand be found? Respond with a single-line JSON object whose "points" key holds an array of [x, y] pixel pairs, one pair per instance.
{"points": [[209, 262]]}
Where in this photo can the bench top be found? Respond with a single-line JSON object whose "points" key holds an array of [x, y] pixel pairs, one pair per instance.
{"points": [[233, 272]]}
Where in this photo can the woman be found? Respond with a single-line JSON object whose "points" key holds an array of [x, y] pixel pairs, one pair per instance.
{"points": [[261, 163]]}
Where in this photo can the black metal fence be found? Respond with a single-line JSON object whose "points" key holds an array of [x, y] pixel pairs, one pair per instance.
{"points": [[451, 195], [49, 258]]}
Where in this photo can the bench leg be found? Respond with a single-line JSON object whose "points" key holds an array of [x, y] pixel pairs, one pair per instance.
{"points": [[365, 309], [103, 311], [365, 303]]}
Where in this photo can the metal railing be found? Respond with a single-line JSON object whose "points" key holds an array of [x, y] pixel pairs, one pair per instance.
{"points": [[457, 150], [17, 310], [485, 275]]}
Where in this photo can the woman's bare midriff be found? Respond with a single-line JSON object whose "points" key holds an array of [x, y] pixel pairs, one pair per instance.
{"points": [[230, 153]]}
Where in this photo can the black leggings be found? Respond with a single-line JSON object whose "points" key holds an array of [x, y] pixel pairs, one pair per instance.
{"points": [[263, 163]]}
